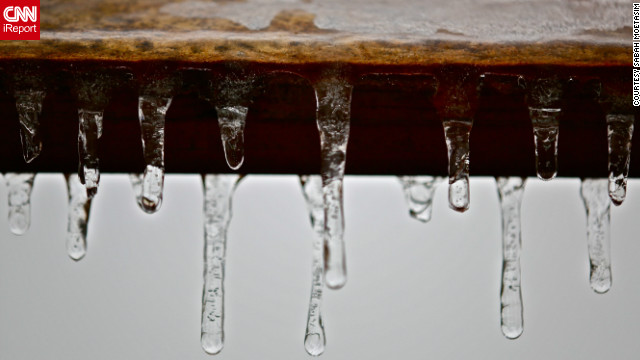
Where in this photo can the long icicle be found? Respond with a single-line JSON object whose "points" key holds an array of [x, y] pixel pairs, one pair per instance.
{"points": [[419, 192], [29, 107], [152, 109], [232, 120], [19, 188], [510, 191], [620, 131], [333, 112], [78, 213], [595, 196], [314, 338], [218, 194]]}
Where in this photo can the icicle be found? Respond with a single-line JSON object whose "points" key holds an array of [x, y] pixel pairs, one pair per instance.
{"points": [[333, 97], [596, 201], [79, 207], [29, 107], [218, 192], [231, 120], [90, 130], [620, 130], [19, 188], [510, 191], [152, 111], [314, 338], [419, 192], [543, 100], [457, 134]]}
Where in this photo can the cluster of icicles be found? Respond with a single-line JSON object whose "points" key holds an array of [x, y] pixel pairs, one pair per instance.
{"points": [[323, 194]]}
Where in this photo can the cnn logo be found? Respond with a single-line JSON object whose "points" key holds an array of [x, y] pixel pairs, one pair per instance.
{"points": [[20, 20]]}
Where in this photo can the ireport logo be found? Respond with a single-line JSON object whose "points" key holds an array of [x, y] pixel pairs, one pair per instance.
{"points": [[20, 20]]}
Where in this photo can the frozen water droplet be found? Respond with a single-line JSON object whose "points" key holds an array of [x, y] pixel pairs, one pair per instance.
{"points": [[333, 112], [152, 111], [19, 188], [419, 192], [79, 207], [595, 196], [314, 339], [90, 129], [218, 193], [620, 131], [545, 136], [457, 134], [231, 120], [29, 107], [510, 191], [148, 188]]}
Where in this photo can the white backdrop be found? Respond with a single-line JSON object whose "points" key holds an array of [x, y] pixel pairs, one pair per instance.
{"points": [[414, 290]]}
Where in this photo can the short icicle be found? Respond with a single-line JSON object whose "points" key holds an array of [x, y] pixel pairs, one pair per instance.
{"points": [[29, 107], [419, 192], [218, 193], [595, 196], [152, 109], [333, 112], [620, 131], [314, 338], [457, 134], [232, 120], [510, 191], [90, 130], [19, 195], [543, 100], [78, 212]]}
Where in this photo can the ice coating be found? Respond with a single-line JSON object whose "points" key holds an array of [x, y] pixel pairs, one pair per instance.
{"points": [[218, 193], [231, 120], [314, 338], [29, 107], [19, 187], [78, 213], [152, 110], [457, 134], [90, 130], [620, 131], [523, 20], [595, 196], [419, 192], [510, 191], [333, 112]]}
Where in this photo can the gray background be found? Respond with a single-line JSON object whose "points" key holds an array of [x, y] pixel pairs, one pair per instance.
{"points": [[414, 290]]}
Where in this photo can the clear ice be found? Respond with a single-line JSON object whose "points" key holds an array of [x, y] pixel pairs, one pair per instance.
{"points": [[510, 191], [218, 193], [29, 107], [419, 192], [543, 100], [151, 112], [90, 130], [78, 212], [231, 120], [333, 112], [314, 338], [595, 195], [457, 134], [620, 130], [19, 195]]}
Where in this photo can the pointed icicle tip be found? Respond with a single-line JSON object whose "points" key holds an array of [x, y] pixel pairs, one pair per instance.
{"points": [[595, 196], [78, 218]]}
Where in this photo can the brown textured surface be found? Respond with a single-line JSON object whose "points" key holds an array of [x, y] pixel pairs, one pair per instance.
{"points": [[139, 30]]}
